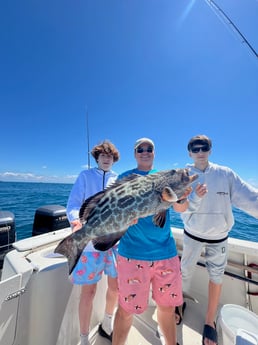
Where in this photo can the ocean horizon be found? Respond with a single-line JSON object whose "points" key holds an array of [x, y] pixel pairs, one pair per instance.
{"points": [[24, 198]]}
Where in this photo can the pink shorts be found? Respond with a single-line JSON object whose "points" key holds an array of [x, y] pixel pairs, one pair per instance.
{"points": [[136, 276]]}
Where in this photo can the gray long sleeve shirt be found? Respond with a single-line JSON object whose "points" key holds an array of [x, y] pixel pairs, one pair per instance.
{"points": [[211, 217]]}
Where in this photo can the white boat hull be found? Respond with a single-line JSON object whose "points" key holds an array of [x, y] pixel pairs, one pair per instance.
{"points": [[39, 305]]}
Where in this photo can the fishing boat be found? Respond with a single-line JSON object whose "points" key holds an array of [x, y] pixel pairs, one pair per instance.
{"points": [[39, 304]]}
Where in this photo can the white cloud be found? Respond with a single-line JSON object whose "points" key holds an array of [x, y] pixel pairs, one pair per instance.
{"points": [[10, 176]]}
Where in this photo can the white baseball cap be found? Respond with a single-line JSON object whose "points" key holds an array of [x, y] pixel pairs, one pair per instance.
{"points": [[142, 141]]}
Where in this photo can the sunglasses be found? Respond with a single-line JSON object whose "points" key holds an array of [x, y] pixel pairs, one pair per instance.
{"points": [[204, 148], [141, 150]]}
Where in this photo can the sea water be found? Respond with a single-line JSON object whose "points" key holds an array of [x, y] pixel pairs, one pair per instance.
{"points": [[24, 198]]}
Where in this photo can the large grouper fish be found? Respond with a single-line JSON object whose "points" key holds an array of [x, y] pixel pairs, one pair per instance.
{"points": [[108, 214]]}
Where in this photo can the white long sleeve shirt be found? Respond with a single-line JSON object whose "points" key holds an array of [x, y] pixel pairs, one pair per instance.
{"points": [[88, 183], [211, 217]]}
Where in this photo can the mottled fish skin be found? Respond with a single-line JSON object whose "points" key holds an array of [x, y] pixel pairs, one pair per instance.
{"points": [[108, 214]]}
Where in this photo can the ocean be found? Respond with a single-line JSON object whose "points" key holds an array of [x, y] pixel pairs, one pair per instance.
{"points": [[24, 198]]}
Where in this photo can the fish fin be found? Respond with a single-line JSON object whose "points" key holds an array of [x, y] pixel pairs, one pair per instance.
{"points": [[104, 243], [89, 204], [69, 248], [159, 219], [169, 195], [130, 177]]}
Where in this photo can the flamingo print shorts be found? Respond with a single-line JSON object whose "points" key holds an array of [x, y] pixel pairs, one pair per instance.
{"points": [[92, 264], [135, 277]]}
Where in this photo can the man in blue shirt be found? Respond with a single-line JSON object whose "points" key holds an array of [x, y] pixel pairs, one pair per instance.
{"points": [[147, 257]]}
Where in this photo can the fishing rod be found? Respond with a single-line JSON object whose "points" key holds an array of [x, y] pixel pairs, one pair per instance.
{"points": [[88, 137], [224, 17]]}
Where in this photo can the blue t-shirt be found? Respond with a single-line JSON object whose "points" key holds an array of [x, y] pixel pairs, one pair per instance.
{"points": [[145, 240]]}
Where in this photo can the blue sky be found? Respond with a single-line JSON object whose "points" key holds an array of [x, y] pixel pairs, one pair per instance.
{"points": [[163, 69]]}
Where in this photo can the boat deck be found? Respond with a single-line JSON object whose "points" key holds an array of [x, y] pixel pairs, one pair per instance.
{"points": [[144, 330], [36, 290]]}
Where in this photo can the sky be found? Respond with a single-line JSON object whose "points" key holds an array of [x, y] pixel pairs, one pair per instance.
{"points": [[164, 69]]}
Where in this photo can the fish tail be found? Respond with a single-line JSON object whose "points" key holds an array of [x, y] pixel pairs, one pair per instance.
{"points": [[70, 249]]}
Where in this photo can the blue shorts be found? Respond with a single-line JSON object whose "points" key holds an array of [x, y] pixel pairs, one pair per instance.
{"points": [[92, 264]]}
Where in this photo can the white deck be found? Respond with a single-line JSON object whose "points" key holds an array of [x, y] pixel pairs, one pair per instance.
{"points": [[144, 328]]}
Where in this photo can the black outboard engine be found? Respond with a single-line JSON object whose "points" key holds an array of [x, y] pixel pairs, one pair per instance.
{"points": [[49, 218], [7, 234]]}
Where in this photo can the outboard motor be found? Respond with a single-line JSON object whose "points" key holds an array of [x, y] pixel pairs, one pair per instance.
{"points": [[7, 234], [49, 218]]}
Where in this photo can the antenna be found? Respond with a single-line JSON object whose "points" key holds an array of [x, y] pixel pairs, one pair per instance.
{"points": [[222, 15], [88, 137]]}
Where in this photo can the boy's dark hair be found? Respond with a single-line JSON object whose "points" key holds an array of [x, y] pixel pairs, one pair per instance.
{"points": [[199, 139]]}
